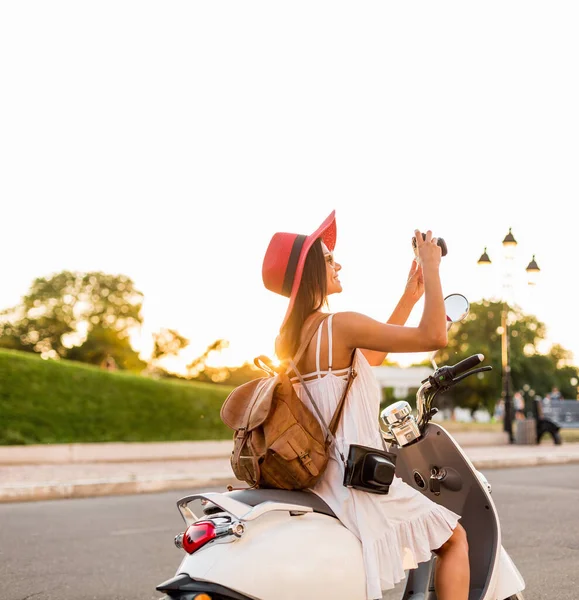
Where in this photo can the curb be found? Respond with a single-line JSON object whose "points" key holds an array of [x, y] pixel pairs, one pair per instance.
{"points": [[527, 461], [115, 452], [146, 485], [93, 488]]}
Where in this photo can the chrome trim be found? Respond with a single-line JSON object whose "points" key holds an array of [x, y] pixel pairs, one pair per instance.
{"points": [[226, 533], [228, 505], [237, 510], [421, 405], [237, 529], [402, 425], [396, 412], [406, 432], [188, 515]]}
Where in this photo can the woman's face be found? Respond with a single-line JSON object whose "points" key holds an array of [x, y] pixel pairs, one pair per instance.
{"points": [[332, 268]]}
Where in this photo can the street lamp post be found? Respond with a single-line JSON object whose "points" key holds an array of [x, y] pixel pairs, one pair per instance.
{"points": [[509, 245]]}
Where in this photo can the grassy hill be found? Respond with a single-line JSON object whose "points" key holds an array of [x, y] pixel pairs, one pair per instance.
{"points": [[62, 402]]}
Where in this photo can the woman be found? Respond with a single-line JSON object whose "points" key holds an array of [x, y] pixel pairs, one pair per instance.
{"points": [[401, 529]]}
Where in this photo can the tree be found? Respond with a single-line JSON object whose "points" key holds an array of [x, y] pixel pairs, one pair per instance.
{"points": [[104, 344], [61, 310], [167, 342], [232, 376], [480, 332], [197, 365]]}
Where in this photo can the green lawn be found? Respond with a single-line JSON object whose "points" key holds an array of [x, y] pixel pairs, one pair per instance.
{"points": [[64, 402]]}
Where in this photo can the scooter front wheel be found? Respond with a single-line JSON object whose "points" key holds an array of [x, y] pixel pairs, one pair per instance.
{"points": [[518, 596]]}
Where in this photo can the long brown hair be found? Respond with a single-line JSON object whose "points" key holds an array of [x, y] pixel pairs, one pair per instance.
{"points": [[311, 296]]}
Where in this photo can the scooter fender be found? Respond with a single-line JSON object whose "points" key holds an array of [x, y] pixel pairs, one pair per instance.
{"points": [[510, 581], [284, 557]]}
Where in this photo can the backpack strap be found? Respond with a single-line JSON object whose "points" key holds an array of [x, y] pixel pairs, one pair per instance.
{"points": [[333, 427], [340, 408]]}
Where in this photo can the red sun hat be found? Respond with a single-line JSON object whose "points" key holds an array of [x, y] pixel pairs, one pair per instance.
{"points": [[285, 256]]}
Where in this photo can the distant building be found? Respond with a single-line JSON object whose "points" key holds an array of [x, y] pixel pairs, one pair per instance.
{"points": [[401, 379]]}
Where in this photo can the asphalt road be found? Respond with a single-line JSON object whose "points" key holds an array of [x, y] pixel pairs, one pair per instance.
{"points": [[121, 547]]}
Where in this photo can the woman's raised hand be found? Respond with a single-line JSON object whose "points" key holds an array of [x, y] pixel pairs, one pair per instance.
{"points": [[429, 252]]}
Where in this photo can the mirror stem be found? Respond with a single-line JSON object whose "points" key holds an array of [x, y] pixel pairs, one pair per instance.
{"points": [[432, 361]]}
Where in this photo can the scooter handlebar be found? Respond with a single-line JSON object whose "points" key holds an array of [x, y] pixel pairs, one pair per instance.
{"points": [[442, 379], [465, 365]]}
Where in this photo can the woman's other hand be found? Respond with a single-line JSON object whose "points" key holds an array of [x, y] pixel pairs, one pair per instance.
{"points": [[415, 284]]}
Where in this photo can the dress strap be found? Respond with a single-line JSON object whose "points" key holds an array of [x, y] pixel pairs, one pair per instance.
{"points": [[318, 345], [330, 336]]}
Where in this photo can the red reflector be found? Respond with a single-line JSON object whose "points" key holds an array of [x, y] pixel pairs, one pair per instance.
{"points": [[198, 535]]}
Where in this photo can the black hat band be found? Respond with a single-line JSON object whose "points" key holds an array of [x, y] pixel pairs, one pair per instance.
{"points": [[292, 264]]}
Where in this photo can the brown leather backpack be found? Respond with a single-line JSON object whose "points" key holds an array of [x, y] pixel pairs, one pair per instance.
{"points": [[278, 442]]}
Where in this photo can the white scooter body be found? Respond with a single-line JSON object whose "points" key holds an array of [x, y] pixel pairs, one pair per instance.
{"points": [[288, 551]]}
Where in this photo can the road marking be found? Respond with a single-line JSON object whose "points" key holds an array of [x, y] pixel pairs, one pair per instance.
{"points": [[142, 530]]}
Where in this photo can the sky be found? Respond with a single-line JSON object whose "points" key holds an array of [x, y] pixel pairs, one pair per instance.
{"points": [[169, 141]]}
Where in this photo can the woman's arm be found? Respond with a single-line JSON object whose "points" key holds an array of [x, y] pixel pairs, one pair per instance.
{"points": [[398, 317], [360, 331]]}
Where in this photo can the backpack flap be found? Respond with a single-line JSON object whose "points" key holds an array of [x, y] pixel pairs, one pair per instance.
{"points": [[249, 405]]}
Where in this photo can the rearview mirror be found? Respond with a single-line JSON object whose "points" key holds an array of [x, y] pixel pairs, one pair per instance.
{"points": [[457, 307]]}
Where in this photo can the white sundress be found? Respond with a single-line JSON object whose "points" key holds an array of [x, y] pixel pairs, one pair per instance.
{"points": [[397, 530]]}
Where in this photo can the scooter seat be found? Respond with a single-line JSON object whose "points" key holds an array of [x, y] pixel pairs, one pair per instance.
{"points": [[255, 497]]}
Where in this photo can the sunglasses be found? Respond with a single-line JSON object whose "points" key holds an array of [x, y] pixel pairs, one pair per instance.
{"points": [[330, 259]]}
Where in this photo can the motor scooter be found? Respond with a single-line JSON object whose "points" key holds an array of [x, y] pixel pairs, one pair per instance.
{"points": [[265, 544]]}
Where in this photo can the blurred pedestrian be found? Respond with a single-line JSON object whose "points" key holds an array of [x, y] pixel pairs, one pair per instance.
{"points": [[519, 405], [109, 363], [499, 410]]}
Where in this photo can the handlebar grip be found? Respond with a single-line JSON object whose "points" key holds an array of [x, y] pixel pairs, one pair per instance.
{"points": [[465, 365]]}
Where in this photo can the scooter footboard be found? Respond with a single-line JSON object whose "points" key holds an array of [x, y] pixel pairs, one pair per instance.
{"points": [[420, 582]]}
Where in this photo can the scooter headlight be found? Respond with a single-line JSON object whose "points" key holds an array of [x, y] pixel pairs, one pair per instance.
{"points": [[401, 422]]}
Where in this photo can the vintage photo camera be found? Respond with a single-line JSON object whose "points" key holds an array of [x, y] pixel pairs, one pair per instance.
{"points": [[369, 469]]}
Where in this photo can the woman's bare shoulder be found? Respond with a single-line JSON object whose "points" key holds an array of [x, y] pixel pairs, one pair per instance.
{"points": [[347, 319], [347, 323]]}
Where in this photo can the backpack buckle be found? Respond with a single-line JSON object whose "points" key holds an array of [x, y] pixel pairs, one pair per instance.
{"points": [[306, 461]]}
